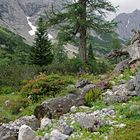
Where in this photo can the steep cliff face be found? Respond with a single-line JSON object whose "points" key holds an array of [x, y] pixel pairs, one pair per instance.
{"points": [[127, 22], [14, 13]]}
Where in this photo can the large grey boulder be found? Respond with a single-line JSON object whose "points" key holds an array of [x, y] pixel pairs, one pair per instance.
{"points": [[55, 108], [10, 131], [58, 106], [26, 133]]}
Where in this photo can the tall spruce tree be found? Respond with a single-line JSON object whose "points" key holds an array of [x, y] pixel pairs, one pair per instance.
{"points": [[80, 16], [41, 52]]}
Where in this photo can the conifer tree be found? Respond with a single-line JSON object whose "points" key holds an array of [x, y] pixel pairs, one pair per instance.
{"points": [[41, 52], [80, 16]]}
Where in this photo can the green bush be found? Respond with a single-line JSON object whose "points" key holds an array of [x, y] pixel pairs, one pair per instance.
{"points": [[45, 85], [130, 111]]}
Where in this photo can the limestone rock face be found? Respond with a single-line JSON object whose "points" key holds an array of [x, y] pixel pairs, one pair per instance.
{"points": [[26, 133], [121, 66], [134, 51]]}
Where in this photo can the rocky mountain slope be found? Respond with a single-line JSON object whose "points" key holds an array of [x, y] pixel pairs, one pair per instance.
{"points": [[14, 14], [127, 22]]}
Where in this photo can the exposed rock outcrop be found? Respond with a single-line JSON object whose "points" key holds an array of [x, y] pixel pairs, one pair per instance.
{"points": [[132, 52]]}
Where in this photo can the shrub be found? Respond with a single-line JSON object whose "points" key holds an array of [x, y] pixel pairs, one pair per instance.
{"points": [[43, 84], [92, 95]]}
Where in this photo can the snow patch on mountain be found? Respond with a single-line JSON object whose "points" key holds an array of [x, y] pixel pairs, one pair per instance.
{"points": [[33, 28], [128, 23]]}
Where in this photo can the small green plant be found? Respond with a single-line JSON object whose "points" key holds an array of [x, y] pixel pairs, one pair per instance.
{"points": [[104, 129], [98, 105], [6, 90], [92, 95]]}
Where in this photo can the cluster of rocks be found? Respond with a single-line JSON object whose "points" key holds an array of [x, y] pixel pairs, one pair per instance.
{"points": [[10, 131], [61, 105], [25, 127], [89, 120], [123, 92], [131, 53]]}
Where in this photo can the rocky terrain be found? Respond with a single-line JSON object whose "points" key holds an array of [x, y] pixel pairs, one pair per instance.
{"points": [[66, 102], [74, 115]]}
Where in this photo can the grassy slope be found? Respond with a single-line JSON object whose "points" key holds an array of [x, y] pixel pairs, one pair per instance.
{"points": [[11, 39]]}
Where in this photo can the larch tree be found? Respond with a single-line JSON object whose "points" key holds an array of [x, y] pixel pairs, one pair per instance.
{"points": [[80, 16]]}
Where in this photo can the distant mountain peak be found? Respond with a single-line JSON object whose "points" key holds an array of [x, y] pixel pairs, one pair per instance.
{"points": [[127, 22]]}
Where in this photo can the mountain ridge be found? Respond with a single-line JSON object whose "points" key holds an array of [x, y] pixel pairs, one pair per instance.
{"points": [[127, 22], [14, 13]]}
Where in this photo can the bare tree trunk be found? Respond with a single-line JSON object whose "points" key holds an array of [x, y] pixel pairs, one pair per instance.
{"points": [[83, 32]]}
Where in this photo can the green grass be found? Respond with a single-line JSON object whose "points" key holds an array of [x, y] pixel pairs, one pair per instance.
{"points": [[130, 132], [16, 107]]}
